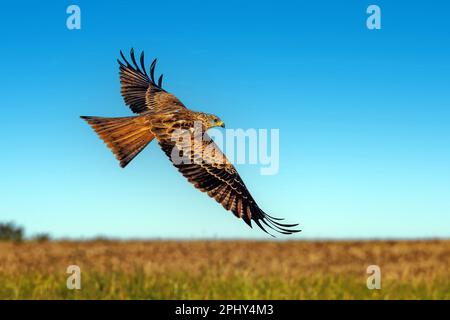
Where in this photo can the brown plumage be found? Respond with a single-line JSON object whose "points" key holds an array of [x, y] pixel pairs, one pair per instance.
{"points": [[162, 116]]}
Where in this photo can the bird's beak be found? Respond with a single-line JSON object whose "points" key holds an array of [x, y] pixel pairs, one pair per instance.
{"points": [[221, 124]]}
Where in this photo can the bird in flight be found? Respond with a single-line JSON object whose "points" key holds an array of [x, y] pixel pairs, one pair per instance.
{"points": [[161, 115]]}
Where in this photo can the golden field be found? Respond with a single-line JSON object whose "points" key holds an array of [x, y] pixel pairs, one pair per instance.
{"points": [[225, 269]]}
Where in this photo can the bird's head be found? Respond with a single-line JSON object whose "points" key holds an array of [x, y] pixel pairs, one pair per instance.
{"points": [[211, 121]]}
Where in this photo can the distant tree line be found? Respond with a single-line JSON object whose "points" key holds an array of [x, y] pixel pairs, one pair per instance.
{"points": [[10, 232]]}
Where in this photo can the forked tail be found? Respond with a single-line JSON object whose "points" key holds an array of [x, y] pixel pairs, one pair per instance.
{"points": [[126, 136]]}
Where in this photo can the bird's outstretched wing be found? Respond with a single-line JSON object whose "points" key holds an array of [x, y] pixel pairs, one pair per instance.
{"points": [[140, 91], [210, 171]]}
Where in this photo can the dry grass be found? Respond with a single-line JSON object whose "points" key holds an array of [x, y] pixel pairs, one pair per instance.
{"points": [[226, 270]]}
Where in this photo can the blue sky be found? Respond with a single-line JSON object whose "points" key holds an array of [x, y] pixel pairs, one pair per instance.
{"points": [[363, 115]]}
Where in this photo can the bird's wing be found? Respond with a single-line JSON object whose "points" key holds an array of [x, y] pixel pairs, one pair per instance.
{"points": [[140, 91], [209, 170]]}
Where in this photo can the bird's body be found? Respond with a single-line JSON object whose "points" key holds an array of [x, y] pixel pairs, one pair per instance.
{"points": [[164, 117]]}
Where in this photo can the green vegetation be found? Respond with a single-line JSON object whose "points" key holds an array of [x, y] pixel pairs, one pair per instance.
{"points": [[225, 270], [10, 232]]}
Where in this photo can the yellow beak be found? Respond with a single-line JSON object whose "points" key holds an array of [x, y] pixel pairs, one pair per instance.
{"points": [[221, 124]]}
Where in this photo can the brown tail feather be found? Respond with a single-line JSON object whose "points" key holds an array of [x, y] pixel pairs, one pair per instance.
{"points": [[126, 136]]}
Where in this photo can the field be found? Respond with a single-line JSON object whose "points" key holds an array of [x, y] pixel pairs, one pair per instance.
{"points": [[225, 269]]}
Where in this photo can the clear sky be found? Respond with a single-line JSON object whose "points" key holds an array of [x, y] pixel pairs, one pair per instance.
{"points": [[364, 115]]}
